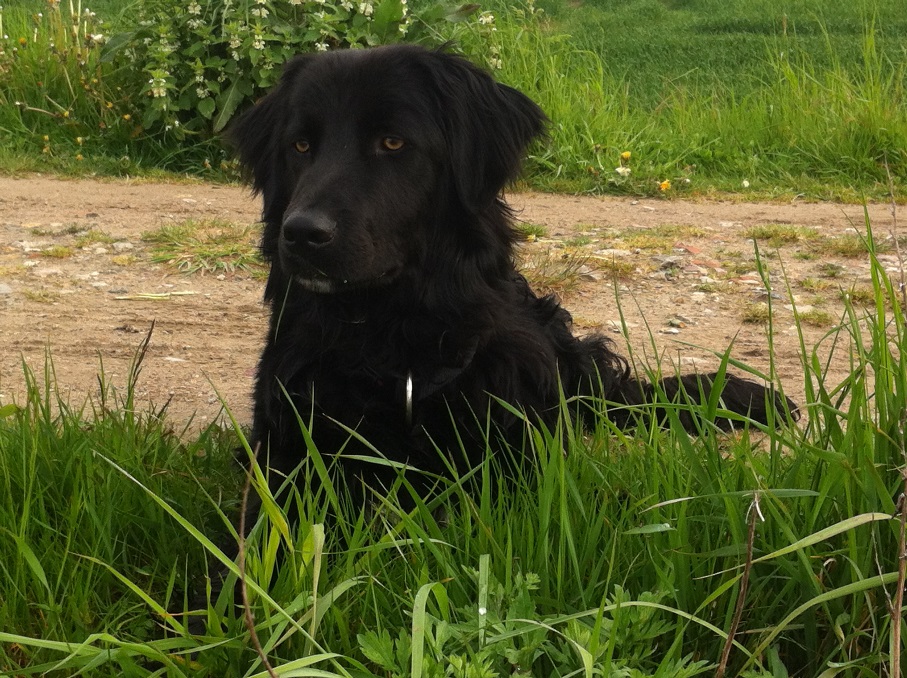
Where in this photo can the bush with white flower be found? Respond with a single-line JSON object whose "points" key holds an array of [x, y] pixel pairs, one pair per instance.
{"points": [[195, 63]]}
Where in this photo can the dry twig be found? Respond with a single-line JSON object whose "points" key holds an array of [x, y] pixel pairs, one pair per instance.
{"points": [[753, 514]]}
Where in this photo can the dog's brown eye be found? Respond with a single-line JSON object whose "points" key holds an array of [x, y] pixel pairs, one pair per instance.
{"points": [[392, 143], [302, 146]]}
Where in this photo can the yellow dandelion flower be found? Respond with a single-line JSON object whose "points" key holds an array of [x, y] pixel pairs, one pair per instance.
{"points": [[625, 155], [79, 140], [109, 104], [23, 41], [46, 138], [126, 116], [65, 114], [79, 157], [665, 185]]}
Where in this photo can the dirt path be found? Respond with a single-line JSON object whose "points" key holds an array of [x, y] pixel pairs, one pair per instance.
{"points": [[74, 269]]}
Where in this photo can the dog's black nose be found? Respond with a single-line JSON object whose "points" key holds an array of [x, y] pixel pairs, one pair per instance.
{"points": [[308, 230]]}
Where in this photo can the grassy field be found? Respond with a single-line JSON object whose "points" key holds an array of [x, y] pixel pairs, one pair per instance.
{"points": [[638, 553], [765, 99]]}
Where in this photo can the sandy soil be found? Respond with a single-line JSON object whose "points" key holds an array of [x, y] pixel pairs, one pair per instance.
{"points": [[686, 279]]}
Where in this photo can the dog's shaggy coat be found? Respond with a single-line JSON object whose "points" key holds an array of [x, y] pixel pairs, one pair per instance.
{"points": [[396, 309]]}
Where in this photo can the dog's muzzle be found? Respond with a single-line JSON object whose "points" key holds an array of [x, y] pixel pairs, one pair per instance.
{"points": [[304, 232]]}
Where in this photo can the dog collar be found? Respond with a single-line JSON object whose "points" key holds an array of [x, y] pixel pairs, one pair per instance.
{"points": [[409, 398], [430, 386]]}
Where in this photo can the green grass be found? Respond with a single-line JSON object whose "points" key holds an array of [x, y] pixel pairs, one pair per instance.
{"points": [[781, 98], [624, 557], [207, 246], [827, 131]]}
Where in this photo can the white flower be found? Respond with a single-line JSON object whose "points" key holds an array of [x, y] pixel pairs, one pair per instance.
{"points": [[194, 8], [623, 171], [486, 18], [235, 43], [366, 8], [96, 38], [158, 87], [201, 92], [258, 42], [295, 2], [321, 47], [348, 6], [496, 63], [745, 183], [259, 12]]}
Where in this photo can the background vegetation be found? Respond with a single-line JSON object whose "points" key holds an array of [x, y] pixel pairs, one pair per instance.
{"points": [[763, 98]]}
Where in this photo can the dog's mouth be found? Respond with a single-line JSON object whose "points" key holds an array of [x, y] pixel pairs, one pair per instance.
{"points": [[321, 283]]}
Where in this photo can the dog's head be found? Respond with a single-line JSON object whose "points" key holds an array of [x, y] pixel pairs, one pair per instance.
{"points": [[360, 153]]}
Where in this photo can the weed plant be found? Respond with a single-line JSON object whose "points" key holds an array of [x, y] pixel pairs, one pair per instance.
{"points": [[620, 553]]}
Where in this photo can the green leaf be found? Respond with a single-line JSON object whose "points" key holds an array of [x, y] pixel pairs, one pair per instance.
{"points": [[113, 45], [462, 13], [378, 648], [388, 14], [229, 100], [31, 560], [206, 107], [9, 410], [650, 529]]}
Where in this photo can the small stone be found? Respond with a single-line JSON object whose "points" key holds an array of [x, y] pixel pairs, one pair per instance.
{"points": [[666, 263], [805, 308], [613, 253], [5, 289], [100, 250], [31, 246], [122, 246], [669, 330]]}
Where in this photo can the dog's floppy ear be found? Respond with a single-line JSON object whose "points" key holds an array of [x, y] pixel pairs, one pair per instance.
{"points": [[487, 127], [256, 133]]}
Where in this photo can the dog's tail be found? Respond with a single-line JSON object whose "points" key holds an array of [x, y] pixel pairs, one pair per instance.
{"points": [[682, 394]]}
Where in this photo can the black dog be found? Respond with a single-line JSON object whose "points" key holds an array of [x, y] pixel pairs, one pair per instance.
{"points": [[396, 309]]}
